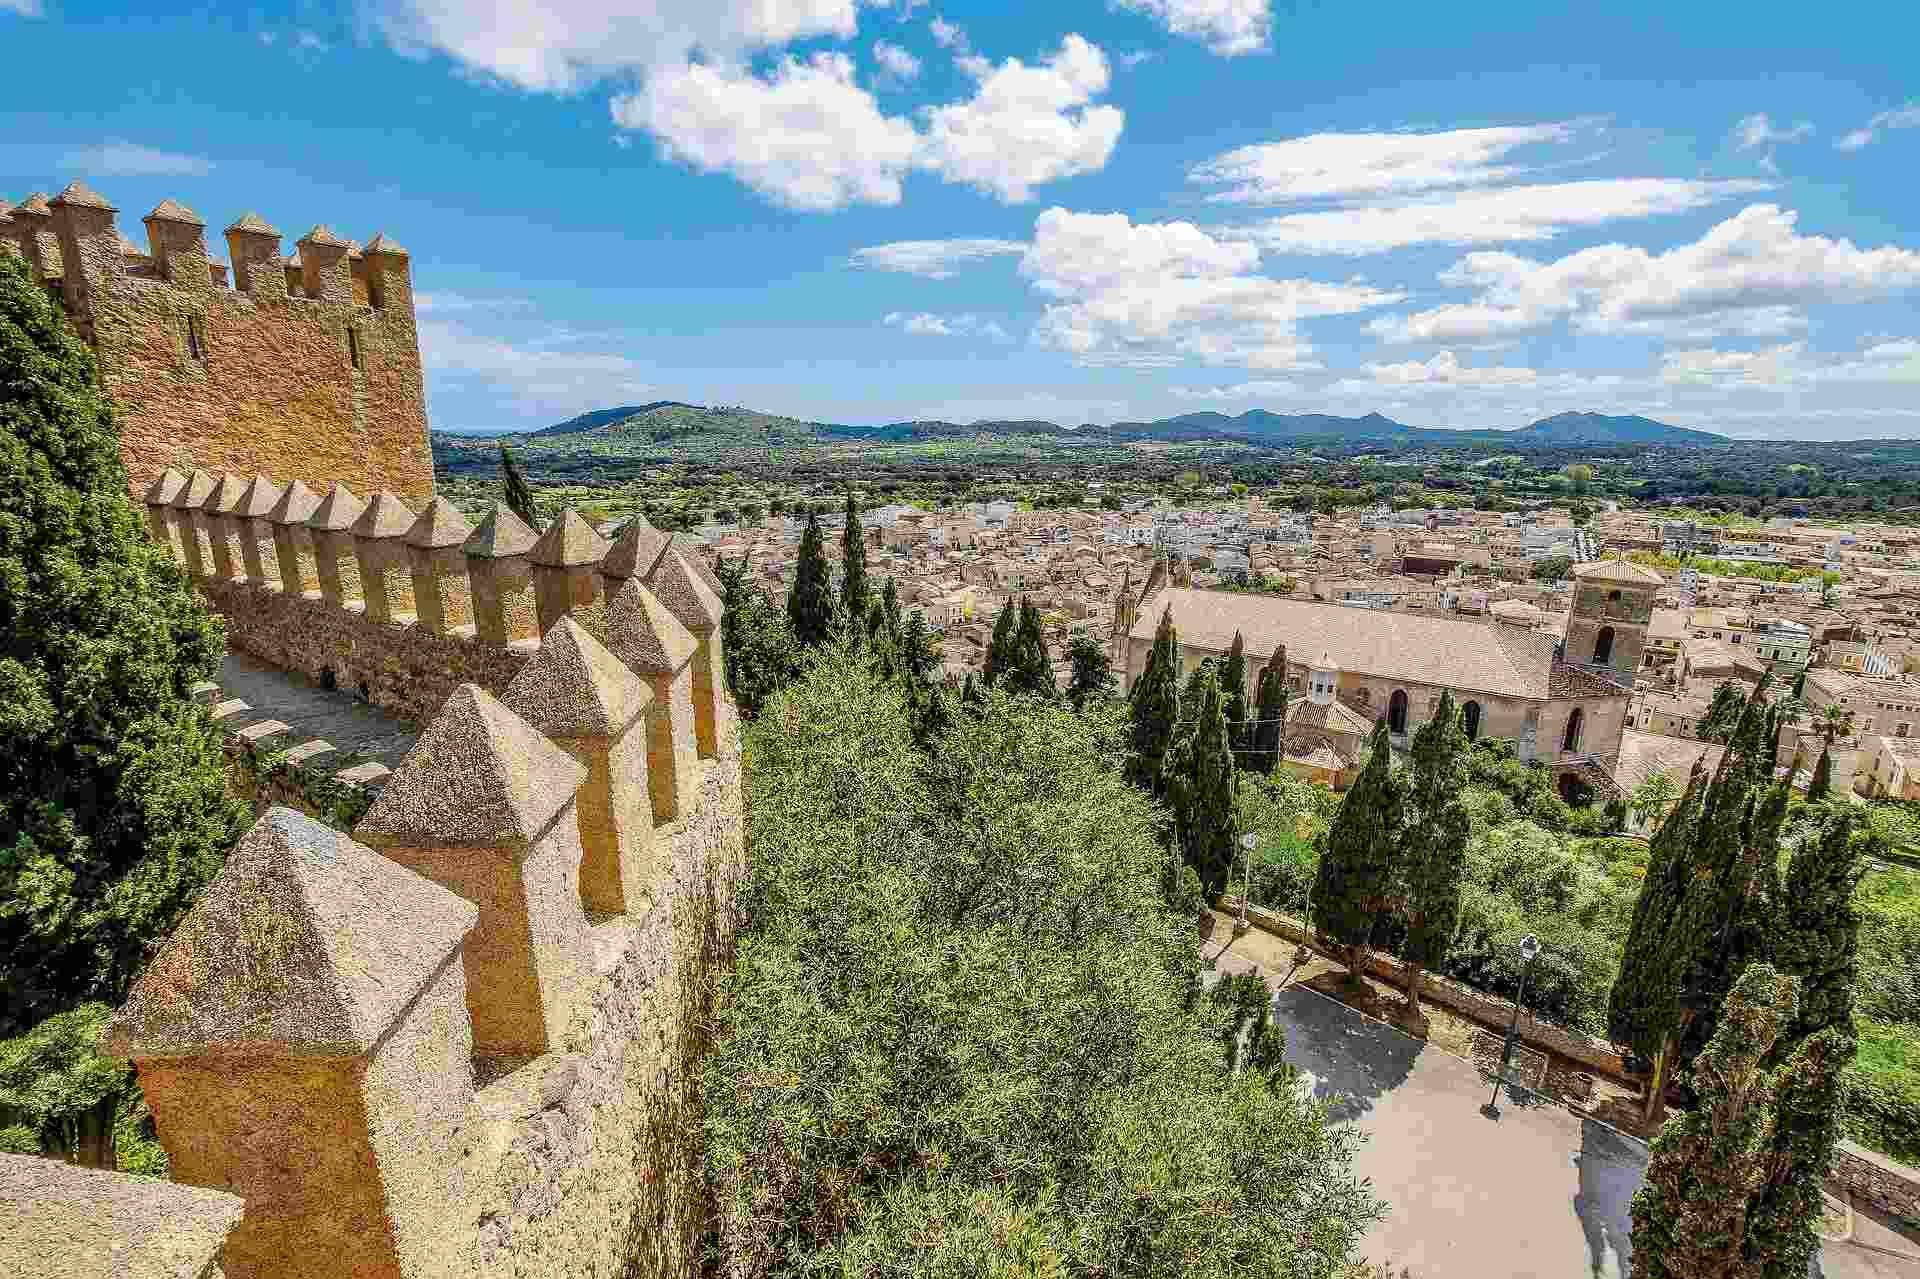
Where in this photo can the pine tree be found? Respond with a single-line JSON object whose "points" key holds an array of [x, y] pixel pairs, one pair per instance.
{"points": [[1200, 787], [1032, 669], [114, 809], [1358, 875], [1822, 784], [1155, 707], [810, 602], [1435, 845], [1233, 686], [1000, 648], [854, 596], [515, 493], [1092, 671], [1690, 1217]]}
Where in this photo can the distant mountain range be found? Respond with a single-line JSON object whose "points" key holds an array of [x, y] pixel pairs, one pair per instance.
{"points": [[668, 421]]}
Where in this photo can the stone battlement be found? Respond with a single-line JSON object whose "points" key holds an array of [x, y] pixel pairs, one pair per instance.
{"points": [[305, 365], [404, 606], [459, 1041]]}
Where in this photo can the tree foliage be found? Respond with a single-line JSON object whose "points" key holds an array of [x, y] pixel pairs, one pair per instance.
{"points": [[1435, 844], [515, 492], [756, 642], [1092, 676], [1359, 869], [1000, 655], [1268, 732], [1200, 783], [1155, 707], [854, 595], [1031, 668], [883, 1097], [1233, 687], [810, 607], [1820, 786]]}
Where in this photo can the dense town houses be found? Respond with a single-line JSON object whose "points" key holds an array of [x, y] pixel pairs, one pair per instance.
{"points": [[1526, 617]]}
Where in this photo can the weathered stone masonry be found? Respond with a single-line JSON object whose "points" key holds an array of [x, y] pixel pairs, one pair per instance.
{"points": [[304, 367]]}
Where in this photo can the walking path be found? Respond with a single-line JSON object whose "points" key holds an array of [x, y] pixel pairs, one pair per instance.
{"points": [[1536, 1192]]}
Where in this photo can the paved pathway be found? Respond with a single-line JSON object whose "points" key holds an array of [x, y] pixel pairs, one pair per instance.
{"points": [[353, 728], [1537, 1192]]}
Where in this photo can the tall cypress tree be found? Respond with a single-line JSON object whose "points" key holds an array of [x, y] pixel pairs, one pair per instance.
{"points": [[1092, 670], [1358, 869], [1817, 934], [1032, 668], [1435, 845], [1200, 786], [1155, 707], [810, 602], [1000, 648], [114, 809], [1690, 1216], [1270, 713], [1233, 686], [854, 596], [1783, 1219], [515, 493], [890, 601]]}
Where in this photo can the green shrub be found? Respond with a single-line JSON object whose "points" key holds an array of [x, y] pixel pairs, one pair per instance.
{"points": [[1883, 1090]]}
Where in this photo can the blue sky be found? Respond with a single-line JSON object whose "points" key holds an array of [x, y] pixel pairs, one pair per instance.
{"points": [[1083, 210]]}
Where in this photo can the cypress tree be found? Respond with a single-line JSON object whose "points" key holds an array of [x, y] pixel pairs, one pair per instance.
{"points": [[1435, 846], [515, 493], [1822, 784], [1817, 936], [1233, 686], [1200, 787], [854, 596], [1000, 649], [756, 642], [1783, 1219], [1690, 1216], [1155, 706], [1270, 713], [114, 809], [1032, 669], [1357, 873], [890, 601], [810, 602], [1092, 671], [919, 652]]}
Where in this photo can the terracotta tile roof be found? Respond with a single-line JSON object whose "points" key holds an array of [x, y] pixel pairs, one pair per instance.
{"points": [[1398, 646], [1644, 754], [1572, 681], [1618, 571]]}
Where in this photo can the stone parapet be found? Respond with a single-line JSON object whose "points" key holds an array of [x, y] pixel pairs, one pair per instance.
{"points": [[448, 1045]]}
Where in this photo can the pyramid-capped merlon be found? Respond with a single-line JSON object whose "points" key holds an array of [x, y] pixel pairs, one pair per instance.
{"points": [[306, 944], [636, 548], [644, 634], [381, 244], [35, 203], [254, 224], [337, 510], [296, 505], [325, 235], [675, 584], [166, 488], [174, 211], [575, 687], [698, 563], [570, 543], [441, 524], [199, 484], [79, 195], [386, 516], [500, 535], [479, 777], [259, 497], [225, 496]]}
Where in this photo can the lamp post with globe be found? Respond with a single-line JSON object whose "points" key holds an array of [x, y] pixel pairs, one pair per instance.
{"points": [[1529, 950], [1247, 843]]}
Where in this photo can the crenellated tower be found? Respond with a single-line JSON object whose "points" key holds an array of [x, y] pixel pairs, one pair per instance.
{"points": [[304, 366]]}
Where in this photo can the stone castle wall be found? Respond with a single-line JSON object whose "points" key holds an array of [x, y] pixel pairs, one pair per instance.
{"points": [[464, 1039], [305, 366]]}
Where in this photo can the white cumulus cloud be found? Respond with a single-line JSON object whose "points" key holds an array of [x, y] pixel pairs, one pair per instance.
{"points": [[1025, 124], [1225, 26], [806, 135], [1510, 214], [927, 324], [1445, 369], [895, 61], [1907, 117], [1332, 165], [1156, 294], [25, 8], [1757, 130], [1258, 389], [130, 160], [932, 259], [1753, 273]]}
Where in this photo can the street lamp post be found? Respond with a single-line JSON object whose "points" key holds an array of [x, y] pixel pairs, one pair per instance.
{"points": [[1529, 950], [1247, 841]]}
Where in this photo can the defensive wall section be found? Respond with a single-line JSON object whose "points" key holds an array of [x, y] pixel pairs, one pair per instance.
{"points": [[301, 366], [460, 1041]]}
